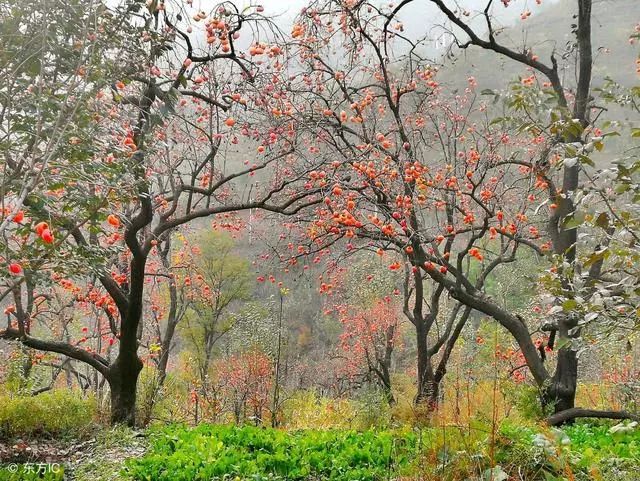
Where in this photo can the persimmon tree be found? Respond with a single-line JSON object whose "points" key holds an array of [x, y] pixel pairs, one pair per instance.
{"points": [[45, 84], [420, 177], [245, 380], [368, 340], [166, 153], [53, 62], [563, 134], [569, 126]]}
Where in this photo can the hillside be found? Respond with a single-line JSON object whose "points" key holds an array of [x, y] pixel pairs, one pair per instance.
{"points": [[548, 31]]}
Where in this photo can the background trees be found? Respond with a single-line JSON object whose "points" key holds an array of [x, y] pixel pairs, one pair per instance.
{"points": [[223, 281], [366, 301]]}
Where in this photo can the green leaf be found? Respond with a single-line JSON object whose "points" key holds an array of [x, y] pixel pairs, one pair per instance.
{"points": [[602, 220], [575, 220], [586, 160]]}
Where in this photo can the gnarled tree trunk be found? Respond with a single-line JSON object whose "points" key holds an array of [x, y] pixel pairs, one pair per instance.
{"points": [[123, 382], [560, 394]]}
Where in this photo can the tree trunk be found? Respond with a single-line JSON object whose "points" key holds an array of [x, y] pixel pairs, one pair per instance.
{"points": [[384, 379], [561, 392], [428, 394], [384, 363], [434, 394], [166, 348], [428, 386], [123, 381], [124, 372], [172, 319]]}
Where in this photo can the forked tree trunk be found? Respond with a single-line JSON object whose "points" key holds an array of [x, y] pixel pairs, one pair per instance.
{"points": [[560, 394]]}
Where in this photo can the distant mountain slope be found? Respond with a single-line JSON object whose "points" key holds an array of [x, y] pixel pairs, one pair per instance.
{"points": [[613, 22]]}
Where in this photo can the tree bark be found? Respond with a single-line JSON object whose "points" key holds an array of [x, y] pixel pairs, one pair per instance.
{"points": [[561, 392], [123, 382], [384, 380], [428, 394], [573, 413], [428, 386]]}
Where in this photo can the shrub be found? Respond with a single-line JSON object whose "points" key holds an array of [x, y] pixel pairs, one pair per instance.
{"points": [[373, 410], [526, 399], [307, 410], [56, 412]]}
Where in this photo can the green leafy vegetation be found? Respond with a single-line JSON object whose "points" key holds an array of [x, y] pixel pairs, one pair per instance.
{"points": [[611, 453], [219, 452], [210, 452]]}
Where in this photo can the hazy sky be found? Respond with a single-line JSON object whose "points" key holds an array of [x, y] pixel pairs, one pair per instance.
{"points": [[416, 17]]}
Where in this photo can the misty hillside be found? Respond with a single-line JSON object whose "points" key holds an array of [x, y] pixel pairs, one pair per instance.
{"points": [[550, 30]]}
